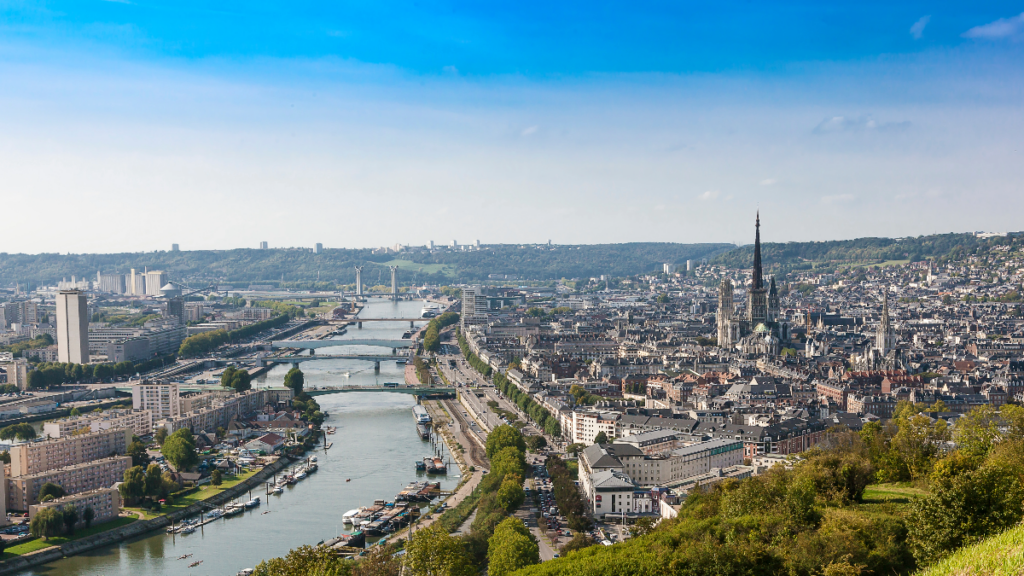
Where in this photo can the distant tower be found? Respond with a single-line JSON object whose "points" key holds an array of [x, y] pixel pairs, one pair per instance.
{"points": [[359, 280], [318, 248], [72, 327], [757, 296], [885, 338], [174, 248], [263, 245], [725, 313], [394, 282], [774, 308]]}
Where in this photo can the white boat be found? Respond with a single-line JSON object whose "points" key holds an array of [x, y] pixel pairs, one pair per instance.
{"points": [[214, 514], [346, 518], [312, 458], [188, 529], [253, 503], [277, 490], [245, 572], [301, 474], [233, 508]]}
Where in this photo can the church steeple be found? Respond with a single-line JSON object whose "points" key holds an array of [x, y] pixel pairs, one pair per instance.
{"points": [[758, 277]]}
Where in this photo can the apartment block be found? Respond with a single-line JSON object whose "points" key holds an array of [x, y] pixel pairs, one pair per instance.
{"points": [[140, 422], [160, 398], [36, 457], [105, 503], [23, 491]]}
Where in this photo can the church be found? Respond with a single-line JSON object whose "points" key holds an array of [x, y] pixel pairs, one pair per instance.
{"points": [[760, 332]]}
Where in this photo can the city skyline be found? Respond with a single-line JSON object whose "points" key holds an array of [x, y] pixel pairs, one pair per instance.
{"points": [[839, 121]]}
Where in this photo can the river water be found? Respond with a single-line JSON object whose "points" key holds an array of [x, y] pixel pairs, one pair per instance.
{"points": [[373, 457]]}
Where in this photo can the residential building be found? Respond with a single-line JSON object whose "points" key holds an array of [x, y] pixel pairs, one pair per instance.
{"points": [[35, 457], [105, 504], [23, 491], [17, 372], [267, 443], [140, 422], [160, 398], [72, 327]]}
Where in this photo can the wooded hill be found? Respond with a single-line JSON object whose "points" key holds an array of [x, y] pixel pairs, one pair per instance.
{"points": [[528, 262]]}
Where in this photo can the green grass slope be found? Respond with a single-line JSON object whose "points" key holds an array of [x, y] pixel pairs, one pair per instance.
{"points": [[997, 556]]}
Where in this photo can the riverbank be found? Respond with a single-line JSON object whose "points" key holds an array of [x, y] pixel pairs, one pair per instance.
{"points": [[139, 527]]}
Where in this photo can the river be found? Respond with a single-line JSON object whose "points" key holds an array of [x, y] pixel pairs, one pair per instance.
{"points": [[376, 447]]}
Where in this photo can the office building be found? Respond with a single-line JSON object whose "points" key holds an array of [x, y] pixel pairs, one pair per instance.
{"points": [[105, 504], [474, 305], [174, 248], [72, 327], [176, 309], [35, 457], [318, 248], [264, 245], [155, 280], [160, 398]]}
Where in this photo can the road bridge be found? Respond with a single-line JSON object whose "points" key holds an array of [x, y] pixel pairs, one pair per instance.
{"points": [[417, 390], [314, 344], [296, 360], [358, 321]]}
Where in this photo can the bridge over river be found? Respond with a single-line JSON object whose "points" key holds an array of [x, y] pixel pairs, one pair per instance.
{"points": [[401, 389]]}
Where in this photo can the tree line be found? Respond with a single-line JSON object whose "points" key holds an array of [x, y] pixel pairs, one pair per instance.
{"points": [[205, 342], [526, 403], [432, 338], [56, 373]]}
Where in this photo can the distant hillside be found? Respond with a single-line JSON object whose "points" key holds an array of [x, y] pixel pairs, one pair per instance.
{"points": [[1001, 555], [336, 265], [805, 255]]}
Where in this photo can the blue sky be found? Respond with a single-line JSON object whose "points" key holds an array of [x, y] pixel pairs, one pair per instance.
{"points": [[217, 125]]}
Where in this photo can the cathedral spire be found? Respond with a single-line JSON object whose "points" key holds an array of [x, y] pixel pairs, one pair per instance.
{"points": [[758, 279]]}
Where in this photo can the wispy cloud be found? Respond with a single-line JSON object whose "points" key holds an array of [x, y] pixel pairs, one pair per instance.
{"points": [[1003, 28], [917, 30], [837, 199], [709, 195], [860, 124], [768, 182], [530, 130]]}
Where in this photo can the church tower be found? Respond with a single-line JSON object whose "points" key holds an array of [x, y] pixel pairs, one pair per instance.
{"points": [[725, 313], [757, 297], [885, 338]]}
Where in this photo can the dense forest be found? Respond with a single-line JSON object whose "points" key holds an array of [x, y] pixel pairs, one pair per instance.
{"points": [[781, 257], [337, 265]]}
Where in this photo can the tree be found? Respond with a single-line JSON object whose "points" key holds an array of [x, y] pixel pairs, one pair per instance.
{"points": [[70, 517], [294, 379], [46, 523], [23, 431], [226, 376], [154, 480], [137, 450], [575, 448], [978, 430], [5, 457], [303, 561], [641, 527], [508, 462], [75, 412], [379, 561], [216, 477], [434, 552], [502, 437], [221, 432], [51, 489], [964, 510], [133, 486], [536, 443], [510, 495], [241, 381], [579, 541], [601, 438], [88, 515], [160, 436], [180, 450], [511, 548]]}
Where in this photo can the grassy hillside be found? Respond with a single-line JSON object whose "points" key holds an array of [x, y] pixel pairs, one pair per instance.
{"points": [[1001, 555]]}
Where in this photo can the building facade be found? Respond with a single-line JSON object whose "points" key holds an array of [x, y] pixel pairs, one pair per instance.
{"points": [[23, 491], [105, 504], [35, 457], [72, 327]]}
